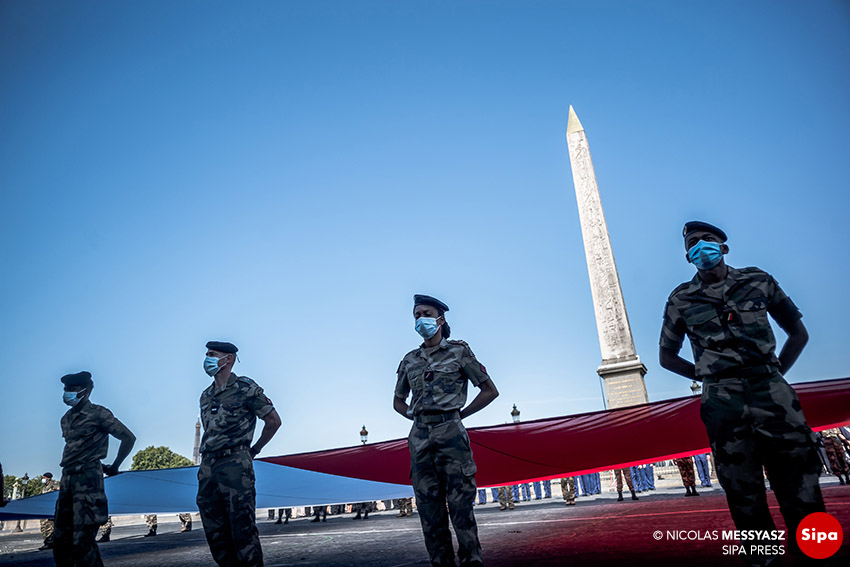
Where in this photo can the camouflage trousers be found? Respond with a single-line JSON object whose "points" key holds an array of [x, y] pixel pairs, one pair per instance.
{"points": [[686, 471], [835, 456], [227, 501], [619, 473], [754, 423], [106, 528], [150, 520], [405, 506], [80, 509], [506, 497], [186, 521], [47, 530], [568, 489], [442, 472]]}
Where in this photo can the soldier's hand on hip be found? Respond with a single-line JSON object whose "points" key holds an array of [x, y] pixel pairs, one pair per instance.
{"points": [[110, 470]]}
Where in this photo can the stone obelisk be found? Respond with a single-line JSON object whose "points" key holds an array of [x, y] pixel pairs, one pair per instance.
{"points": [[622, 371]]}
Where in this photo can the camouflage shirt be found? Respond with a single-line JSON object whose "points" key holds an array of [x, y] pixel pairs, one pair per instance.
{"points": [[230, 414], [727, 322], [86, 428], [438, 376], [49, 486]]}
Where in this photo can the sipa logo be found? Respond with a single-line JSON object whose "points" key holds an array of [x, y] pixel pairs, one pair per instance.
{"points": [[819, 535]]}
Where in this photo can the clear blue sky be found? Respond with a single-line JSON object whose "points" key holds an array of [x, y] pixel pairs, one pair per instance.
{"points": [[286, 175]]}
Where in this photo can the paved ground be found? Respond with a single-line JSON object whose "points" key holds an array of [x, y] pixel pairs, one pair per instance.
{"points": [[597, 531]]}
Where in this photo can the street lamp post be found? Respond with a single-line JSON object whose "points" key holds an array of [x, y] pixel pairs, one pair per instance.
{"points": [[515, 414], [364, 435]]}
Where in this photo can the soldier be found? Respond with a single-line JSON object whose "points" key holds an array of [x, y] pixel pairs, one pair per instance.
{"points": [[226, 500], [442, 468], [835, 455], [3, 499], [506, 497], [47, 485], [185, 522], [568, 489], [150, 521], [686, 471], [405, 507], [320, 513], [105, 530], [362, 509], [751, 414], [81, 505], [618, 473]]}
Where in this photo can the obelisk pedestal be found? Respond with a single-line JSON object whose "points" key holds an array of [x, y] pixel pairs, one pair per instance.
{"points": [[622, 371]]}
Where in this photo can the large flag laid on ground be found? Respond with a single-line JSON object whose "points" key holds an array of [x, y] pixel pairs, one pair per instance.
{"points": [[505, 454]]}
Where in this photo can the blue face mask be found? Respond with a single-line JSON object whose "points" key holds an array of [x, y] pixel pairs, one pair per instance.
{"points": [[211, 365], [72, 398], [427, 327], [705, 255]]}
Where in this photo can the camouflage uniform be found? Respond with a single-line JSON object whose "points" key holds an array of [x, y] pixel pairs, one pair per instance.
{"points": [[81, 505], [150, 521], [441, 464], [751, 414], [619, 473], [226, 494], [835, 453], [686, 471], [506, 497], [106, 528], [405, 507], [568, 489], [185, 522], [47, 524]]}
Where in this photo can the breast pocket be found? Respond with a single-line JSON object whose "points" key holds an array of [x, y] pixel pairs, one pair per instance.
{"points": [[753, 318], [448, 377], [232, 411], [703, 323]]}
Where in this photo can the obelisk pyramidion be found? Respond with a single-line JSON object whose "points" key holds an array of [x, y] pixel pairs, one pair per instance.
{"points": [[622, 371]]}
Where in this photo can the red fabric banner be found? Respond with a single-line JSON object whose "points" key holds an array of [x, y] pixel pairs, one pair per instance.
{"points": [[571, 445]]}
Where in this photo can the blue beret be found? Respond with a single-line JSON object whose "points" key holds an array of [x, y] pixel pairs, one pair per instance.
{"points": [[79, 379], [222, 347], [428, 300], [694, 226]]}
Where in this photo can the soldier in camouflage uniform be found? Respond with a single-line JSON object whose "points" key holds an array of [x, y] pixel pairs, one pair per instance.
{"points": [[106, 530], [150, 521], [441, 466], [81, 506], [47, 485], [506, 498], [185, 522], [619, 473], [686, 471], [226, 499], [835, 455], [405, 507], [568, 489], [752, 416]]}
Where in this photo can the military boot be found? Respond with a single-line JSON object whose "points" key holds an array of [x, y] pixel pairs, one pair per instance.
{"points": [[694, 491], [366, 515], [688, 491], [152, 532], [358, 516], [634, 496], [104, 538], [619, 496]]}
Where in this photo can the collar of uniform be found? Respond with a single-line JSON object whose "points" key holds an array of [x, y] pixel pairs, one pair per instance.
{"points": [[443, 344], [230, 381], [697, 284]]}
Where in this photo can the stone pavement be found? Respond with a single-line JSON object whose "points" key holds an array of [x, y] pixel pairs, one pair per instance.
{"points": [[598, 531]]}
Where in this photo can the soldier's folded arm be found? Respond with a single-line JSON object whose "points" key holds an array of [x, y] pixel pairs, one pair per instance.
{"points": [[670, 360], [271, 423], [487, 394], [400, 405], [127, 439]]}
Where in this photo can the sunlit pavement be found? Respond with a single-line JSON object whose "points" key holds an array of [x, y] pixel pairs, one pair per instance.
{"points": [[597, 531]]}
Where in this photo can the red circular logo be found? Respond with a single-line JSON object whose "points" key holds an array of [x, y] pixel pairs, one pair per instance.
{"points": [[819, 535]]}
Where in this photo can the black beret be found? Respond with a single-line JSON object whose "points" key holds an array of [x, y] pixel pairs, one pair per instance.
{"points": [[79, 379], [222, 347], [694, 226], [48, 475], [428, 300]]}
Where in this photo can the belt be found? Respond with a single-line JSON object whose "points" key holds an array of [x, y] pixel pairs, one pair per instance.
{"points": [[429, 417], [748, 373], [82, 468], [224, 452]]}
